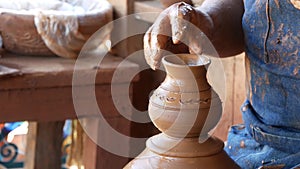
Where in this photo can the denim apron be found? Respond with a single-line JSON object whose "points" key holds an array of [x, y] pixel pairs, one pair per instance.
{"points": [[271, 134]]}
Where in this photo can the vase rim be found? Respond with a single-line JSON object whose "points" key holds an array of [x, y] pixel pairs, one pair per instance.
{"points": [[186, 60]]}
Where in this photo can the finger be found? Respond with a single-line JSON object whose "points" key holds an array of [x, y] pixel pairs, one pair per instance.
{"points": [[147, 47], [179, 18], [160, 34], [195, 44], [158, 45]]}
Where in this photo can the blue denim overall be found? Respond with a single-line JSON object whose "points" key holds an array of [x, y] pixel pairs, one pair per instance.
{"points": [[271, 113]]}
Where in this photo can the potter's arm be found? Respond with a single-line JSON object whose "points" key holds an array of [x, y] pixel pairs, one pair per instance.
{"points": [[227, 32], [220, 20]]}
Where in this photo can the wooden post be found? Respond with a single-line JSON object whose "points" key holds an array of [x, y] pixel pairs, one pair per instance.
{"points": [[90, 147], [95, 157], [30, 146], [44, 145]]}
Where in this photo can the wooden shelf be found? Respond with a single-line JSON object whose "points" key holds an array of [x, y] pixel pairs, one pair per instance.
{"points": [[41, 90], [147, 10], [42, 72]]}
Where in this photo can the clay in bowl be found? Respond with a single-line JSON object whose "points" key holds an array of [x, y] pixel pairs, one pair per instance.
{"points": [[53, 27]]}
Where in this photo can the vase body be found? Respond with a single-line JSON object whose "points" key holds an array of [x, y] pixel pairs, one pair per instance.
{"points": [[184, 108], [180, 106]]}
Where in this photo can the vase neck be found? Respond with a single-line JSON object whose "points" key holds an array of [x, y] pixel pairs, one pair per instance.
{"points": [[187, 71], [184, 66]]}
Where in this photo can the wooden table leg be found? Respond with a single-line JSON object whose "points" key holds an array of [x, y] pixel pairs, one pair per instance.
{"points": [[90, 147], [44, 142], [95, 157]]}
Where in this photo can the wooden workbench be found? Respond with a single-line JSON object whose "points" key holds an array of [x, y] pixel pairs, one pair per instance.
{"points": [[40, 89]]}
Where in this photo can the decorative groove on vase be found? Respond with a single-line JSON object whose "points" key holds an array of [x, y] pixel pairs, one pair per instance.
{"points": [[180, 92], [183, 99], [195, 101], [178, 108]]}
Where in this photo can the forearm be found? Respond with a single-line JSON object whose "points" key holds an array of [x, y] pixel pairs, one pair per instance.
{"points": [[227, 33]]}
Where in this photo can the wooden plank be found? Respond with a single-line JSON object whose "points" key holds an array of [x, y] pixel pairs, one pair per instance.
{"points": [[239, 88], [90, 144], [106, 159], [51, 104], [95, 157], [48, 141], [227, 117], [147, 6], [121, 9], [48, 145], [41, 72], [31, 145], [235, 94], [141, 9]]}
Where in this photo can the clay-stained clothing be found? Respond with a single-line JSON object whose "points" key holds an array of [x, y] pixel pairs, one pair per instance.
{"points": [[272, 111]]}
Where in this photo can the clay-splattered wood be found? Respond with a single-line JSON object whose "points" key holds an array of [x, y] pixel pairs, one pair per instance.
{"points": [[40, 72]]}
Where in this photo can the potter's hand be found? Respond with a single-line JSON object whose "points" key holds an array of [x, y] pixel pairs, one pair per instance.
{"points": [[172, 27]]}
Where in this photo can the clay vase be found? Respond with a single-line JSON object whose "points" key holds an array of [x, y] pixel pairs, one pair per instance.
{"points": [[167, 3], [184, 108]]}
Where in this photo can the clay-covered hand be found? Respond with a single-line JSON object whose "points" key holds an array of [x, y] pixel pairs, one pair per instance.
{"points": [[172, 32]]}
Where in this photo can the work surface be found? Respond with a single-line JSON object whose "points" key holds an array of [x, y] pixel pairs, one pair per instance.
{"points": [[40, 88]]}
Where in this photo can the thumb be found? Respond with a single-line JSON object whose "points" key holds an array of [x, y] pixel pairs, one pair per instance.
{"points": [[180, 15]]}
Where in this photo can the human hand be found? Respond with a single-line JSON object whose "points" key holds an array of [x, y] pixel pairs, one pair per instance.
{"points": [[172, 31]]}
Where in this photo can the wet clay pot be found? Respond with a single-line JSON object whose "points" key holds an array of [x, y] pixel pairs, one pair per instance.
{"points": [[184, 108], [180, 106]]}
